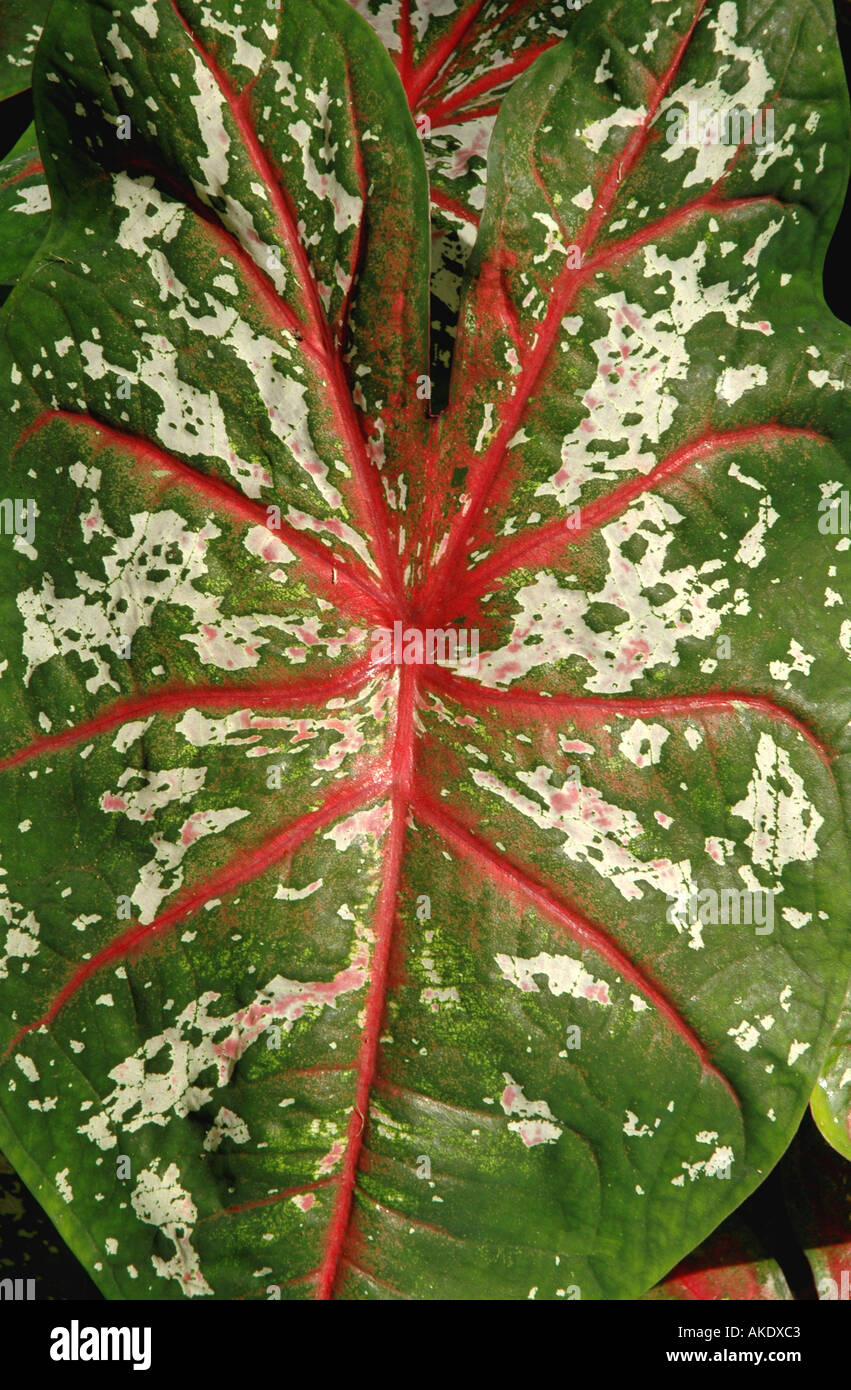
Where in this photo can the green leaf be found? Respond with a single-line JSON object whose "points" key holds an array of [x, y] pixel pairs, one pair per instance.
{"points": [[343, 973], [21, 25], [24, 207], [23, 191]]}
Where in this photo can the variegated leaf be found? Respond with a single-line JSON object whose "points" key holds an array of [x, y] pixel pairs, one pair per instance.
{"points": [[412, 1000], [24, 208], [21, 25]]}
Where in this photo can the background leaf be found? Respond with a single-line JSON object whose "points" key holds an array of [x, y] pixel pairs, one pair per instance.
{"points": [[817, 1184], [24, 209], [457, 61], [21, 26]]}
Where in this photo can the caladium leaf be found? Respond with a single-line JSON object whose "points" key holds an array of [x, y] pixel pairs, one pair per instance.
{"points": [[457, 60], [24, 208], [411, 1000], [21, 25]]}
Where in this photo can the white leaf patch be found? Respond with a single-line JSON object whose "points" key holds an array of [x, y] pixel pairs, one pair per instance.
{"points": [[161, 1201], [642, 744], [785, 824], [22, 932], [596, 833], [33, 200], [142, 1097], [541, 1130], [551, 622], [563, 974]]}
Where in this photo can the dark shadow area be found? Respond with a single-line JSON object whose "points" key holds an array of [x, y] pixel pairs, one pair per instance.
{"points": [[837, 274], [16, 114]]}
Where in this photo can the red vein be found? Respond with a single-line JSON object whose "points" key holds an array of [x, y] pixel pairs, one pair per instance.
{"points": [[340, 395], [426, 73], [486, 83], [579, 928], [35, 166], [607, 705], [406, 37], [453, 205], [228, 498], [240, 1207], [707, 203], [240, 869], [623, 164], [567, 287], [540, 544], [396, 1215], [287, 223], [480, 112], [276, 694], [379, 1283], [402, 772]]}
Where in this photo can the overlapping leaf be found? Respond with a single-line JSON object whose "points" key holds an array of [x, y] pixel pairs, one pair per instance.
{"points": [[402, 1008], [457, 61], [24, 209], [23, 190]]}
